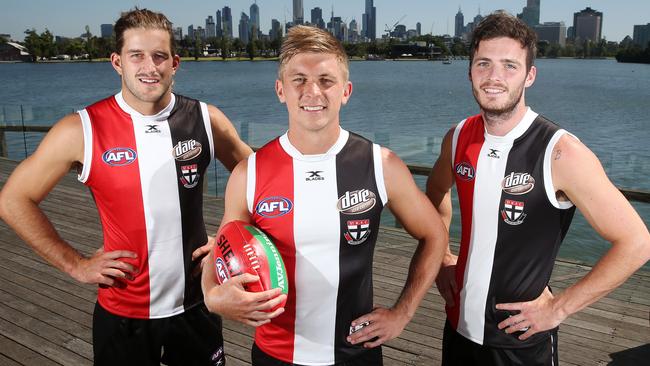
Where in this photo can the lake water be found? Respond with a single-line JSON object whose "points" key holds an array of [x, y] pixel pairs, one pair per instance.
{"points": [[407, 106]]}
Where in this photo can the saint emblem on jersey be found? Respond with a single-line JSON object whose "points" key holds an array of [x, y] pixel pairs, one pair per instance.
{"points": [[464, 171], [189, 175], [358, 231], [513, 212], [356, 202], [186, 150], [518, 183], [119, 156], [274, 207]]}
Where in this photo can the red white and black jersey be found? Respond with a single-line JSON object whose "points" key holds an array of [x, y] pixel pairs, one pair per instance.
{"points": [[146, 174], [512, 223], [322, 212]]}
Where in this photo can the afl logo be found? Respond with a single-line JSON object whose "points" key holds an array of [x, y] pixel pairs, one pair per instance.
{"points": [[274, 206], [222, 270], [186, 150], [119, 156], [464, 171], [518, 183], [356, 202]]}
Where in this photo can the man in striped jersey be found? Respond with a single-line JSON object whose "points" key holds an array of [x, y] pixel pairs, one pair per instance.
{"points": [[318, 192], [143, 153], [519, 178]]}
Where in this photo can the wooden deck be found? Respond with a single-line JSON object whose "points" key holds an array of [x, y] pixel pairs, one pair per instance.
{"points": [[45, 316]]}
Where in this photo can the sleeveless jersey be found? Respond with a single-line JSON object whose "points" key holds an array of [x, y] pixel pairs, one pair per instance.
{"points": [[322, 212], [145, 174], [512, 224]]}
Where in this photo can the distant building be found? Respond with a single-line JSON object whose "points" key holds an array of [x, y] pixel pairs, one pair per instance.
{"points": [[255, 21], [334, 27], [106, 30], [588, 25], [226, 18], [369, 21], [553, 32], [317, 17], [298, 12], [190, 32], [276, 30], [218, 26], [459, 28], [244, 28], [210, 28], [353, 31], [418, 29], [178, 34], [11, 51], [530, 13], [641, 35], [199, 33]]}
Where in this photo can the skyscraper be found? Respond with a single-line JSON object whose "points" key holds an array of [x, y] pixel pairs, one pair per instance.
{"points": [[588, 25], [418, 29], [369, 21], [227, 22], [244, 28], [219, 27], [553, 32], [530, 13], [460, 24], [106, 30], [298, 12], [317, 17], [641, 35], [210, 30], [276, 30], [255, 20], [190, 32]]}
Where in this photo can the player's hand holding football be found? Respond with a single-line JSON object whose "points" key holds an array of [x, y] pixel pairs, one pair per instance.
{"points": [[232, 301], [382, 325]]}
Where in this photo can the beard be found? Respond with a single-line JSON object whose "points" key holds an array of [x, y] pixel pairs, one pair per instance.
{"points": [[496, 110]]}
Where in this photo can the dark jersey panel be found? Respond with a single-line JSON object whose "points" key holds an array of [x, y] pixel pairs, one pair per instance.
{"points": [[360, 209], [191, 150], [530, 232]]}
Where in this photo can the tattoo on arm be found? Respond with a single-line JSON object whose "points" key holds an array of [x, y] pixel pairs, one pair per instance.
{"points": [[558, 153]]}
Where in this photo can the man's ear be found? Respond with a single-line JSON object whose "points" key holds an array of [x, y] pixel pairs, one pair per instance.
{"points": [[347, 92], [279, 91], [116, 61]]}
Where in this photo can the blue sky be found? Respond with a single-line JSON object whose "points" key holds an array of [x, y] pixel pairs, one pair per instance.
{"points": [[69, 17]]}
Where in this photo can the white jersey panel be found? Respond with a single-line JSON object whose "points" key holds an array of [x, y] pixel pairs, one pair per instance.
{"points": [[88, 146]]}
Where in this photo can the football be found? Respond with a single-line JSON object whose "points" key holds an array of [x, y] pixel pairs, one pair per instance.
{"points": [[242, 248]]}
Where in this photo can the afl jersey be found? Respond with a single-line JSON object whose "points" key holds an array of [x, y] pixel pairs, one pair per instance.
{"points": [[512, 224], [322, 212], [145, 174]]}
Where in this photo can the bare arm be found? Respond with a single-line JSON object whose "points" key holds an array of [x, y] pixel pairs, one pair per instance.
{"points": [[439, 186], [61, 149], [231, 300], [577, 173], [421, 220], [229, 148]]}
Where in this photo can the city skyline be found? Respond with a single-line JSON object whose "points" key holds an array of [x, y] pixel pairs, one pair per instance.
{"points": [[62, 20]]}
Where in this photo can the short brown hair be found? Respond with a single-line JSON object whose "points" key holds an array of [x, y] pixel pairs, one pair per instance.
{"points": [[303, 39], [502, 24], [142, 18]]}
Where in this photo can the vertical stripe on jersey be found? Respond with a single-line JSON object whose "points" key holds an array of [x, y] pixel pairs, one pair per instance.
{"points": [[159, 194], [276, 338], [317, 269]]}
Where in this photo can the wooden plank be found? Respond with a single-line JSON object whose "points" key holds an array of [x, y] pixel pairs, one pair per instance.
{"points": [[21, 355]]}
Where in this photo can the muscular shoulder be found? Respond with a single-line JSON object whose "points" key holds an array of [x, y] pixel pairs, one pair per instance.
{"points": [[572, 163], [66, 138]]}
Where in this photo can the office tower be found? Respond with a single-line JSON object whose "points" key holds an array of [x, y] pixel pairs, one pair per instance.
{"points": [[227, 22], [178, 34], [244, 28], [369, 21], [530, 13], [210, 30], [459, 29], [298, 12], [199, 33], [317, 18], [353, 31], [276, 30], [190, 32], [553, 32], [641, 35], [219, 27], [418, 29], [255, 21], [588, 25], [106, 30]]}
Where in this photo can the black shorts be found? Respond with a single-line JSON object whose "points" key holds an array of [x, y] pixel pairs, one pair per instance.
{"points": [[191, 338], [460, 351], [372, 357]]}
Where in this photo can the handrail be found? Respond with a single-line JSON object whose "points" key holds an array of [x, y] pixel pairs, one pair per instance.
{"points": [[416, 169]]}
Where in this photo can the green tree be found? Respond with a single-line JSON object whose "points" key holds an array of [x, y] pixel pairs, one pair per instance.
{"points": [[225, 45], [198, 48], [251, 49]]}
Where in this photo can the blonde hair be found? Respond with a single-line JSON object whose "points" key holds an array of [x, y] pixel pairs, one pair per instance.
{"points": [[304, 39]]}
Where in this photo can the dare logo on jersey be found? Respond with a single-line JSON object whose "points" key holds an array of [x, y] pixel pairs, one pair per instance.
{"points": [[186, 150], [119, 156], [464, 171], [274, 206], [356, 202], [518, 183]]}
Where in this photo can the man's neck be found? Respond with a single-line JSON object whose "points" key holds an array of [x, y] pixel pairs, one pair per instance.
{"points": [[147, 108], [314, 142], [501, 124]]}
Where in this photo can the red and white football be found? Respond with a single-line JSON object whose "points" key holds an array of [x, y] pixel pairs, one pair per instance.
{"points": [[242, 248]]}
